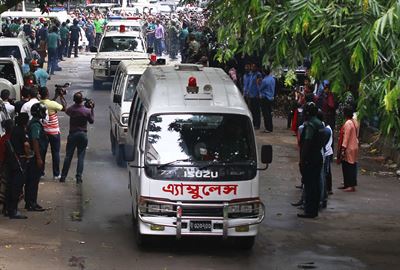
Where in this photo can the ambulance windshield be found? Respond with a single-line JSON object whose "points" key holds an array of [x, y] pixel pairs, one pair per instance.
{"points": [[121, 43], [221, 145]]}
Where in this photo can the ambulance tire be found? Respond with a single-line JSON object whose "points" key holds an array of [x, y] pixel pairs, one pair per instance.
{"points": [[112, 141], [97, 84], [141, 240], [119, 155], [245, 242]]}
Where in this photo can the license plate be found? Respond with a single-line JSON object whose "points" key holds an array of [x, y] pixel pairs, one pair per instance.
{"points": [[200, 226]]}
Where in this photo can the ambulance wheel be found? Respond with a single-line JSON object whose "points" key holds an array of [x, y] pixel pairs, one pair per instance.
{"points": [[119, 155], [112, 141], [97, 84], [245, 242]]}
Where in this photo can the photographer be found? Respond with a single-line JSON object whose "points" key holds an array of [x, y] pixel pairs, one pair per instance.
{"points": [[81, 113], [52, 128]]}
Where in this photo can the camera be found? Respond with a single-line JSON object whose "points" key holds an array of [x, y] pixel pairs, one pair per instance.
{"points": [[61, 90], [88, 103]]}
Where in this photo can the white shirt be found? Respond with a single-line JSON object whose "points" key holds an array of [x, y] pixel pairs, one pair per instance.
{"points": [[10, 109], [26, 108]]}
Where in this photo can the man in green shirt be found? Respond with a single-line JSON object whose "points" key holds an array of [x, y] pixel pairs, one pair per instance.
{"points": [[98, 26], [64, 39], [37, 140], [52, 44]]}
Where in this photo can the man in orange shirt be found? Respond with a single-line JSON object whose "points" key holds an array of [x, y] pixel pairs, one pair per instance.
{"points": [[348, 150]]}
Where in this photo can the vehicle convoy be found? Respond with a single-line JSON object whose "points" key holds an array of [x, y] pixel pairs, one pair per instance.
{"points": [[124, 85], [11, 77], [192, 156], [114, 47]]}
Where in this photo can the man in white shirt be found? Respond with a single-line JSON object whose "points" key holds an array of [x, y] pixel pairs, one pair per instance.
{"points": [[32, 100], [5, 96]]}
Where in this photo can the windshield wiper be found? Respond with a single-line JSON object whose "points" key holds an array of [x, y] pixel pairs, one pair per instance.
{"points": [[172, 162], [228, 162]]}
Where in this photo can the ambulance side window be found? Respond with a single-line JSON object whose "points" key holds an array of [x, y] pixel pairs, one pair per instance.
{"points": [[115, 82], [136, 106], [137, 123], [131, 114], [143, 131]]}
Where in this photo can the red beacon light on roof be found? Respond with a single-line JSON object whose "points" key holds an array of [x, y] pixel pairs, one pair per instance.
{"points": [[192, 87], [122, 28]]}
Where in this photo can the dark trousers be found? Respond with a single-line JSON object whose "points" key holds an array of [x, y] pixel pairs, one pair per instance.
{"points": [[158, 46], [61, 48], [52, 64], [73, 43], [55, 144], [266, 108], [328, 173], [349, 174], [66, 49], [254, 105], [32, 183], [15, 183], [311, 179], [97, 40], [77, 140], [90, 39]]}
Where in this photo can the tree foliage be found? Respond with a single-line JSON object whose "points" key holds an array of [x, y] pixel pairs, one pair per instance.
{"points": [[351, 43]]}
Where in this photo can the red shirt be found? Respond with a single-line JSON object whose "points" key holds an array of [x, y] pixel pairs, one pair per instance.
{"points": [[3, 147]]}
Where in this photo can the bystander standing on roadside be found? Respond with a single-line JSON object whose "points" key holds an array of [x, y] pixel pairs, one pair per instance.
{"points": [[52, 129], [37, 140], [348, 150], [254, 95], [5, 96], [267, 94], [41, 75], [77, 138]]}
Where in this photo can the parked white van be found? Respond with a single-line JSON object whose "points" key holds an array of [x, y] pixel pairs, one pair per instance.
{"points": [[192, 156], [15, 47]]}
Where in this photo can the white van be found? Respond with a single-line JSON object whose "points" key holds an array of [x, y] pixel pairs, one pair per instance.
{"points": [[192, 156], [124, 85], [15, 47]]}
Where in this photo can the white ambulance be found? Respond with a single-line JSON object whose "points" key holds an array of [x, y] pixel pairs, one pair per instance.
{"points": [[114, 47], [192, 156], [124, 85]]}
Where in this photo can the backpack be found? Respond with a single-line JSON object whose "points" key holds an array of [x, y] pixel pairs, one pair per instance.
{"points": [[321, 136]]}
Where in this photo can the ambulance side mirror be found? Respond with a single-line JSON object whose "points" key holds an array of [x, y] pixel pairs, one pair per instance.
{"points": [[266, 154], [117, 98]]}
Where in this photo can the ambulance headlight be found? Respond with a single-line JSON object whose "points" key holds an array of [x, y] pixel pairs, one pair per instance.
{"points": [[246, 208], [124, 120], [166, 208], [98, 64], [153, 208], [233, 209]]}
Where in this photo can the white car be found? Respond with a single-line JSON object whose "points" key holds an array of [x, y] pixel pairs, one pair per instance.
{"points": [[114, 47], [11, 76]]}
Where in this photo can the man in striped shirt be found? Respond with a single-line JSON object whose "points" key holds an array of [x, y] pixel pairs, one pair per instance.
{"points": [[52, 128]]}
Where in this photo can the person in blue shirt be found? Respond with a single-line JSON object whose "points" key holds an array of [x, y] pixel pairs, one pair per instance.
{"points": [[253, 95], [25, 66], [246, 79], [267, 93], [41, 75]]}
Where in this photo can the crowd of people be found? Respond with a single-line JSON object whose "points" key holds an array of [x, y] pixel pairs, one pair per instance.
{"points": [[28, 127]]}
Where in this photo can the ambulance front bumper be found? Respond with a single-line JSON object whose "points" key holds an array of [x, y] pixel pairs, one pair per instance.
{"points": [[183, 219]]}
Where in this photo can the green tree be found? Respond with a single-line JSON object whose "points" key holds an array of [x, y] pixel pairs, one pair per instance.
{"points": [[350, 42]]}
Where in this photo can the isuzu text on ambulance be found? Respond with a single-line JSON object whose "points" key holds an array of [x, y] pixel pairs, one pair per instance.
{"points": [[192, 156]]}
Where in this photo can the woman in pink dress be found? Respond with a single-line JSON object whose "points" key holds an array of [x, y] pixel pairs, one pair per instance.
{"points": [[348, 150]]}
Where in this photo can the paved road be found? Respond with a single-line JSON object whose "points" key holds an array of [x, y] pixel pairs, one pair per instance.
{"points": [[357, 231]]}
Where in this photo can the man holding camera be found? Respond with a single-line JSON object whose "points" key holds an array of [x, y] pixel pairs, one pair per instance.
{"points": [[80, 114], [52, 128]]}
